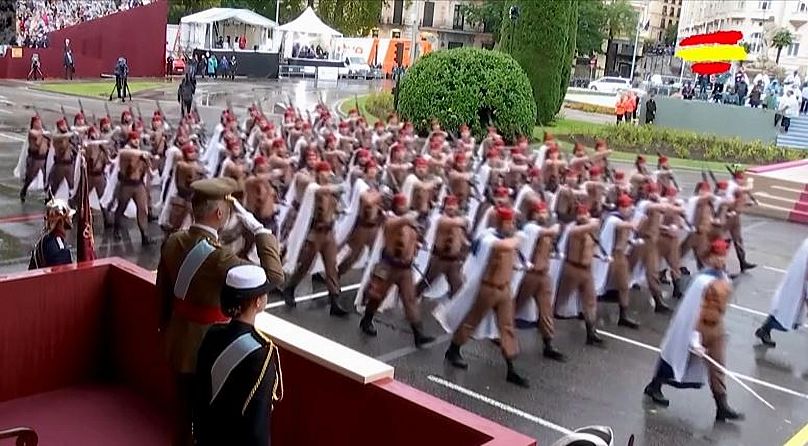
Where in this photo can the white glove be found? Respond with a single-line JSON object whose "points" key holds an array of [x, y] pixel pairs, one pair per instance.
{"points": [[695, 344], [248, 220], [609, 259]]}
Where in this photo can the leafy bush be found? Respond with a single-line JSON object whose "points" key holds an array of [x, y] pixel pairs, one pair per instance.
{"points": [[379, 104], [648, 139], [542, 41], [468, 86]]}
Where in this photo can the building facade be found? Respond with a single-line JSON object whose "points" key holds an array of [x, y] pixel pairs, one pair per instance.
{"points": [[756, 19], [442, 23]]}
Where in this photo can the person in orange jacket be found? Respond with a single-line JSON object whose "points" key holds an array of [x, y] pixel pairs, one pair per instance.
{"points": [[620, 107], [630, 106]]}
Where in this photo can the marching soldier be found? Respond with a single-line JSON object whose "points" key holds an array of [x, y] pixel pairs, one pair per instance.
{"points": [[134, 165], [576, 274], [702, 221], [36, 158], [696, 331], [647, 253], [536, 283], [737, 194], [319, 239], [186, 172], [367, 222], [448, 250], [399, 248], [192, 271], [668, 244], [496, 254], [96, 152], [64, 155]]}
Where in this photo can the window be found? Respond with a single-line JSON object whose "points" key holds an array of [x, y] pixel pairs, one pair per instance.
{"points": [[455, 44], [803, 7], [398, 11], [794, 48], [459, 19], [429, 13], [665, 10], [670, 22], [764, 4]]}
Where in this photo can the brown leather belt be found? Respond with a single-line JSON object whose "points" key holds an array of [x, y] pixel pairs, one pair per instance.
{"points": [[323, 227], [64, 162], [576, 264], [494, 285]]}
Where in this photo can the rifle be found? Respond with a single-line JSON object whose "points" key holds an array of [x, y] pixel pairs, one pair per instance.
{"points": [[673, 177], [106, 109], [139, 114], [81, 107], [356, 105], [712, 176], [748, 193]]}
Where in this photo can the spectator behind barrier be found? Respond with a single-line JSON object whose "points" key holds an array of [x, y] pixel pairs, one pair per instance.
{"points": [[37, 18]]}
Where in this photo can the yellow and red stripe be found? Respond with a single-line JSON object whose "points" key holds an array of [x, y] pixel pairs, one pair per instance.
{"points": [[711, 53]]}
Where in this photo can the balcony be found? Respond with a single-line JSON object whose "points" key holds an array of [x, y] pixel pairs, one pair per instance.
{"points": [[799, 15]]}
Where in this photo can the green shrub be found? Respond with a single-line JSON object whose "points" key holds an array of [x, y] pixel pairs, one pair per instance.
{"points": [[468, 86], [648, 139], [540, 41], [379, 104]]}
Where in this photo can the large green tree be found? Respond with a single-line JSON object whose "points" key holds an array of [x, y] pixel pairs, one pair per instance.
{"points": [[780, 39], [538, 41], [591, 27], [351, 17], [621, 21], [488, 12], [569, 53]]}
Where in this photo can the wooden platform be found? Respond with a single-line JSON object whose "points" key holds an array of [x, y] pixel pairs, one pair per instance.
{"points": [[781, 190]]}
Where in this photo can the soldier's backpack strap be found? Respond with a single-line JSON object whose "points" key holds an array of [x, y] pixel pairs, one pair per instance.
{"points": [[193, 261]]}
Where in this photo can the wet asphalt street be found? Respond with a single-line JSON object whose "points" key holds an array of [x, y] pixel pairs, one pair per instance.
{"points": [[595, 386]]}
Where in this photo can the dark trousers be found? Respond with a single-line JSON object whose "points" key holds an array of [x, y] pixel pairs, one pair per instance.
{"points": [[186, 107], [184, 416], [69, 72], [804, 106], [786, 123]]}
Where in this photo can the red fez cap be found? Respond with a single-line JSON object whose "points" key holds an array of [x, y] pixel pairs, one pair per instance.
{"points": [[624, 201], [540, 206], [582, 209], [651, 187], [663, 159], [721, 185], [517, 150], [259, 160], [78, 116], [600, 143], [619, 175], [499, 142], [34, 119], [450, 200], [459, 157], [232, 142], [595, 170], [493, 152], [323, 166], [420, 161], [521, 139], [126, 113], [378, 124], [277, 142], [343, 124], [61, 122], [704, 186], [133, 135], [362, 153], [501, 191], [534, 172], [311, 154], [719, 247], [231, 118], [330, 137], [307, 125], [396, 147], [188, 148], [399, 200], [505, 213], [548, 136], [640, 159], [463, 127], [156, 118], [739, 174], [371, 164], [104, 120], [671, 191]]}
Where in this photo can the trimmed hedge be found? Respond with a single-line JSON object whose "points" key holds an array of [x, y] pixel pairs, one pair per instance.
{"points": [[379, 104], [540, 41], [648, 139], [468, 86]]}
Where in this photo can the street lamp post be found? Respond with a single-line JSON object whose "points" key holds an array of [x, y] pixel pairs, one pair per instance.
{"points": [[640, 20]]}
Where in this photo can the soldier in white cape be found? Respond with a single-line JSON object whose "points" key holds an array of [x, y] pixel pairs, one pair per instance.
{"points": [[696, 331], [790, 300], [483, 308]]}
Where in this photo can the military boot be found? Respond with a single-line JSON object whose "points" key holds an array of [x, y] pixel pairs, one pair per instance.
{"points": [[550, 352], [654, 391], [625, 321], [514, 377], [592, 336], [453, 356], [418, 335], [723, 412], [336, 309]]}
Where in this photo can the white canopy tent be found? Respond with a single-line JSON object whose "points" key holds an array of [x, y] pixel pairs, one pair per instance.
{"points": [[202, 30], [306, 29]]}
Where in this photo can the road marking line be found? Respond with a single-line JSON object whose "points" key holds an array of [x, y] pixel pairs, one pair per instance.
{"points": [[777, 270], [12, 137], [498, 404], [309, 297], [21, 218], [755, 225], [738, 375], [6, 112], [800, 438], [749, 310]]}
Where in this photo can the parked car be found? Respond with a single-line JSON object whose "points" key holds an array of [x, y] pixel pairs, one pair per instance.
{"points": [[610, 84], [356, 67]]}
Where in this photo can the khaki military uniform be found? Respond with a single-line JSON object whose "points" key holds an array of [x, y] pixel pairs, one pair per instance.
{"points": [[576, 274], [447, 254], [537, 285], [320, 240], [134, 165], [364, 231], [36, 159], [713, 334], [63, 159]]}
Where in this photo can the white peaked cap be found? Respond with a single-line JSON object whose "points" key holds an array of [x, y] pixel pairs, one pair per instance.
{"points": [[246, 277]]}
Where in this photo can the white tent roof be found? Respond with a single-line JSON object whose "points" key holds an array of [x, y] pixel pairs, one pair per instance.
{"points": [[219, 14], [309, 23]]}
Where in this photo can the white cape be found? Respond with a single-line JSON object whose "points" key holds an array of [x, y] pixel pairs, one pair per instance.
{"points": [[600, 267], [572, 307], [789, 299], [450, 314], [297, 236], [108, 200], [530, 235], [675, 347], [19, 170], [346, 224]]}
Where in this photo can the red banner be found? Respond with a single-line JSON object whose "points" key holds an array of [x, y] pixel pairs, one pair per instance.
{"points": [[85, 250]]}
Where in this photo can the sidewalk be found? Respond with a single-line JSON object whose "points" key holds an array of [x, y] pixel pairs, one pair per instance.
{"points": [[578, 115]]}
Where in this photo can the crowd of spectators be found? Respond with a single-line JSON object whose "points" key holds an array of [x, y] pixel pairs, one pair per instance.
{"points": [[37, 18]]}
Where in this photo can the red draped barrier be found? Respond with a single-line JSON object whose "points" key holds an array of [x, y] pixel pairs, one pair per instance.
{"points": [[139, 34]]}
